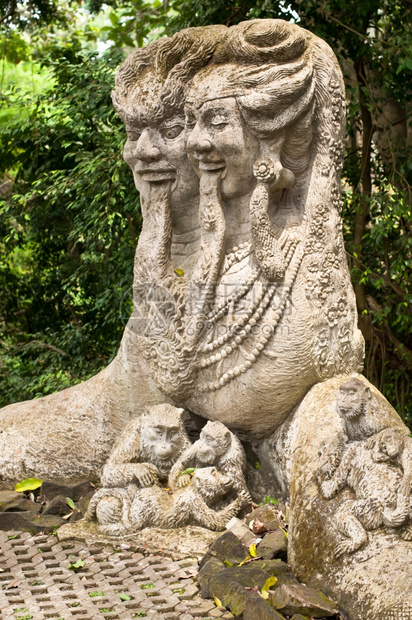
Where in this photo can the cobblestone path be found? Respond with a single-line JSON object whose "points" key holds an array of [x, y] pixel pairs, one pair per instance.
{"points": [[37, 584]]}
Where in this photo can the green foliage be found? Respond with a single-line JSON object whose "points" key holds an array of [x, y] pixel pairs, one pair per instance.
{"points": [[68, 229]]}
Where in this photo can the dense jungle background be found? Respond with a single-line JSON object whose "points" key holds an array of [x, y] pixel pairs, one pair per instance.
{"points": [[69, 213]]}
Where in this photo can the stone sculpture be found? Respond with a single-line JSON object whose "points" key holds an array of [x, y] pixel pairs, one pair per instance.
{"points": [[147, 448], [217, 447], [132, 497], [240, 276], [201, 503], [382, 492], [243, 315]]}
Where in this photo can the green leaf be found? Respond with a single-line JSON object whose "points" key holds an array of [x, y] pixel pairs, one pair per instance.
{"points": [[70, 503], [187, 471], [29, 484], [124, 597], [76, 566]]}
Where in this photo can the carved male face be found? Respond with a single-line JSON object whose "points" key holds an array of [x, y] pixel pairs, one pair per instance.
{"points": [[155, 148], [351, 399], [218, 139]]}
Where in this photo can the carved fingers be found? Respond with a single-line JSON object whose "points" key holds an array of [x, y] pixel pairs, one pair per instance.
{"points": [[145, 475], [183, 481]]}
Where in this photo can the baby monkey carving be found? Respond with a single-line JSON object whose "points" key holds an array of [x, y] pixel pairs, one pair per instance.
{"points": [[217, 446], [147, 448], [377, 470]]}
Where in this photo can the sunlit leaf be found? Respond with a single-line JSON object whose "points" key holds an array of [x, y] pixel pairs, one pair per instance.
{"points": [[29, 484]]}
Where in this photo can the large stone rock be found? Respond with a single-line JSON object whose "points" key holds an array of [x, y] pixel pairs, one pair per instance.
{"points": [[374, 580], [229, 549], [9, 497], [258, 609], [29, 522]]}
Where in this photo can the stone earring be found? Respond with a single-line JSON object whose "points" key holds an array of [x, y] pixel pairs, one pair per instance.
{"points": [[266, 245]]}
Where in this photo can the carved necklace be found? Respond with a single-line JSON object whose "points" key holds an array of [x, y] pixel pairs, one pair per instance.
{"points": [[243, 329]]}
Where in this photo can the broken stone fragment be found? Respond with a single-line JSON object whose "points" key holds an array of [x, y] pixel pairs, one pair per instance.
{"points": [[74, 491], [9, 497], [249, 575], [230, 592], [208, 570], [57, 506], [276, 568], [273, 544], [299, 599], [258, 609], [241, 530], [229, 549], [29, 522], [22, 504], [287, 579]]}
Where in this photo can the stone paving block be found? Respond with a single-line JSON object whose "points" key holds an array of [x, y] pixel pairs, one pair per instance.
{"points": [[50, 590]]}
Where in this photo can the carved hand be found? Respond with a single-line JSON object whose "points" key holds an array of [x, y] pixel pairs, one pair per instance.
{"points": [[145, 475], [183, 481]]}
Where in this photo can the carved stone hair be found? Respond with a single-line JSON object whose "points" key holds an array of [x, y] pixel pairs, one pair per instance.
{"points": [[174, 61], [280, 75]]}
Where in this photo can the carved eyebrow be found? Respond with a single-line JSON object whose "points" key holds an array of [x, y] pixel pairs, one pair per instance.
{"points": [[211, 112], [175, 120]]}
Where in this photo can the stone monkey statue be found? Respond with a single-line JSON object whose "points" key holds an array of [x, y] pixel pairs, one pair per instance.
{"points": [[203, 503], [216, 446], [373, 469], [147, 448], [354, 407]]}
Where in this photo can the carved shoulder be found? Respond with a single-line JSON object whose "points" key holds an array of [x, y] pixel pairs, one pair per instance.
{"points": [[127, 446]]}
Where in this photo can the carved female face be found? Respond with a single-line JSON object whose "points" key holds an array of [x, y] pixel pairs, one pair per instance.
{"points": [[155, 148], [218, 139]]}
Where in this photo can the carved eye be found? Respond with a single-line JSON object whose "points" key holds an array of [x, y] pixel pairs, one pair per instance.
{"points": [[170, 133], [133, 135], [218, 120]]}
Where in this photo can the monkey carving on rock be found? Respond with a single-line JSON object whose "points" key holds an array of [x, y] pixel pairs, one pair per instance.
{"points": [[217, 446], [147, 448], [374, 470], [353, 405]]}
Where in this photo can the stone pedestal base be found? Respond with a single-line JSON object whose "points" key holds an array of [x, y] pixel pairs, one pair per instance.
{"points": [[187, 542]]}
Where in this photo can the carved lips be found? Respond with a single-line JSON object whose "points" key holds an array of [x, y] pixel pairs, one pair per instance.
{"points": [[156, 174]]}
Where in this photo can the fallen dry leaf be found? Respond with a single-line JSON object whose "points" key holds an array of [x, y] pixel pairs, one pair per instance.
{"points": [[258, 527]]}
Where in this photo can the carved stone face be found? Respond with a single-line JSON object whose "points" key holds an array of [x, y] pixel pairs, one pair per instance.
{"points": [[165, 439], [388, 445], [211, 446], [350, 400], [155, 148], [218, 139]]}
